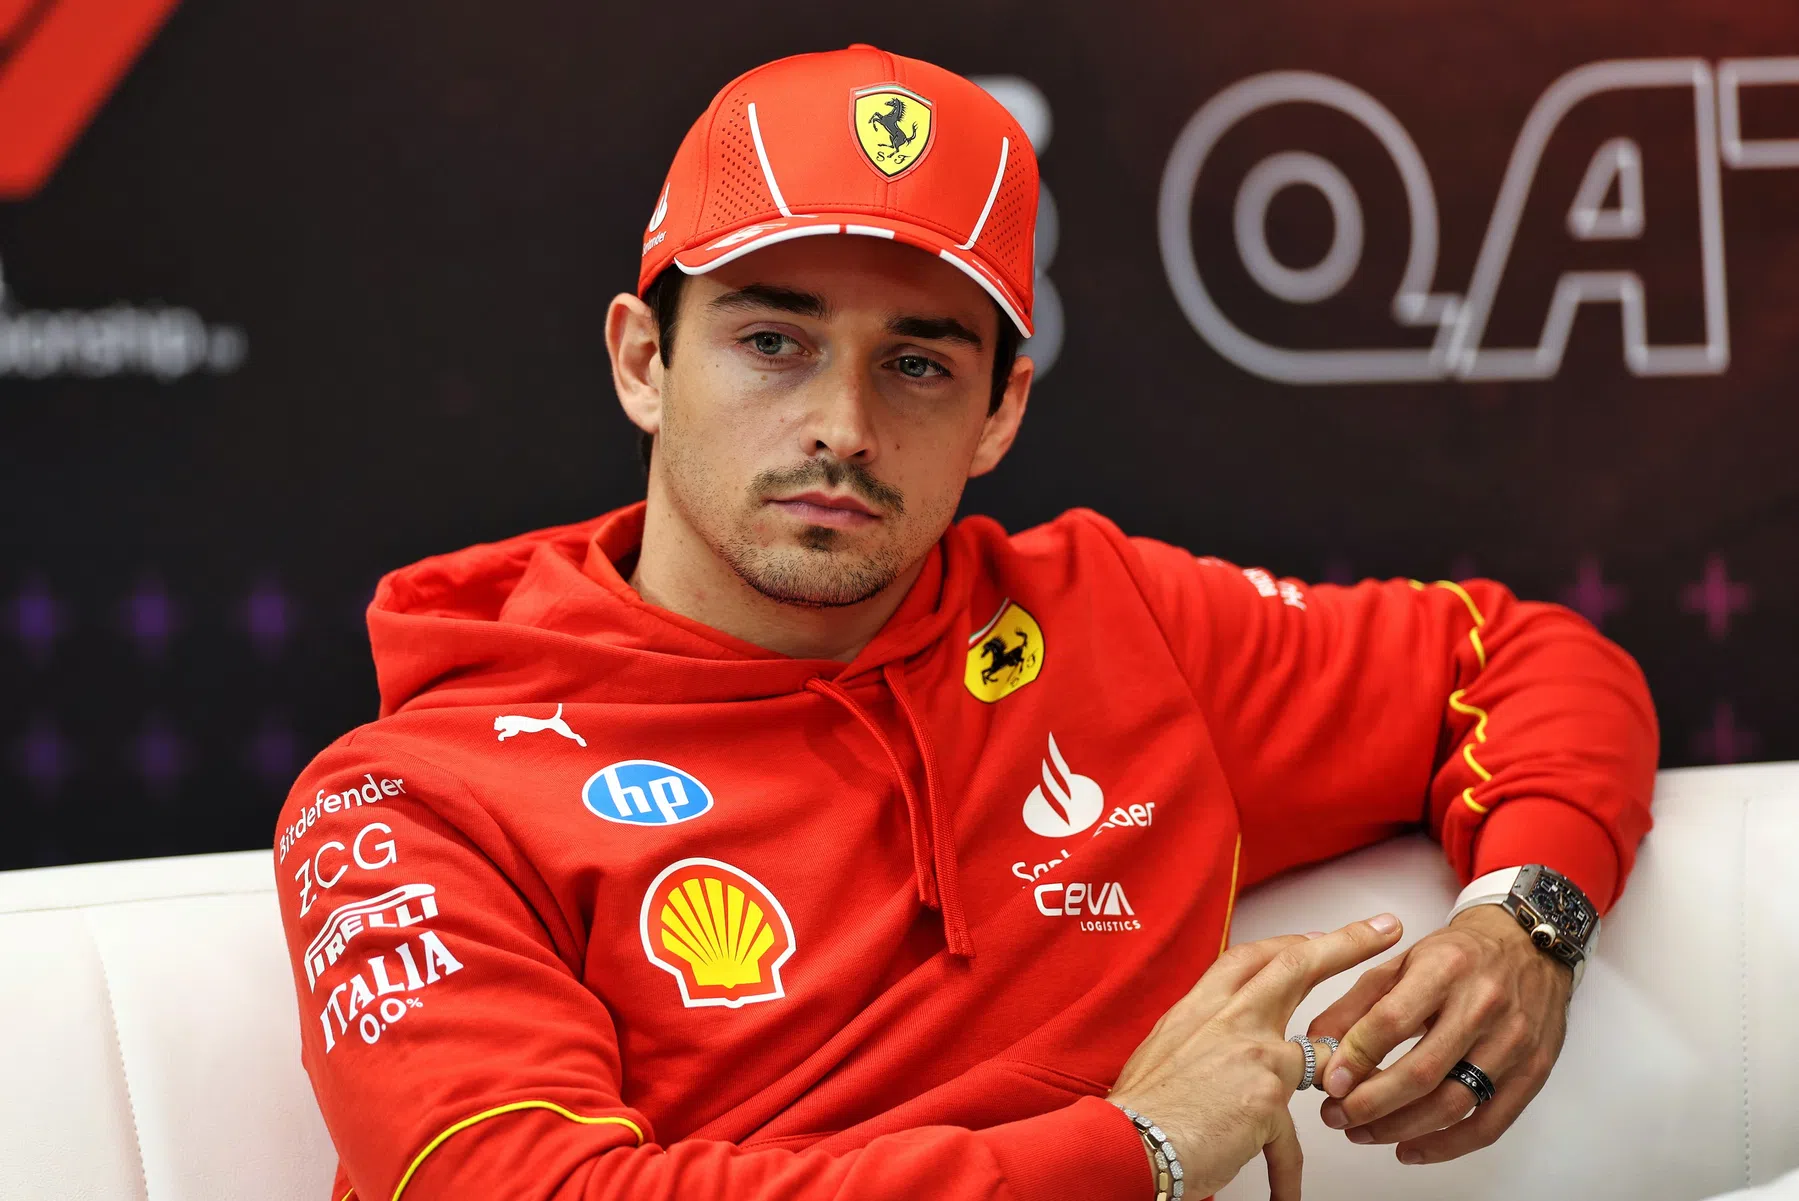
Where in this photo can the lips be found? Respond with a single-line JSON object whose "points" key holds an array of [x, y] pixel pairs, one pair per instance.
{"points": [[845, 503]]}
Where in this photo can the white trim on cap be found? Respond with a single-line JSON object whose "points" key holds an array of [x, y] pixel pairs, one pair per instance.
{"points": [[774, 189], [779, 235], [1005, 145], [999, 297], [873, 231]]}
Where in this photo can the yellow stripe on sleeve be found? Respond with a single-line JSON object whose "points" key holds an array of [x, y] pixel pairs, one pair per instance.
{"points": [[1230, 905], [1473, 609], [1480, 735], [465, 1123]]}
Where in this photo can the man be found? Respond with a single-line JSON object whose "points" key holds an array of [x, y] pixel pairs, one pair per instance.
{"points": [[775, 837]]}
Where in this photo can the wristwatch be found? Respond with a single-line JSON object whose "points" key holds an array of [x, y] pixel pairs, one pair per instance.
{"points": [[1560, 918]]}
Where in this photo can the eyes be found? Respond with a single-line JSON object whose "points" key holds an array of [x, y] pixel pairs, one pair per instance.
{"points": [[767, 342], [771, 344]]}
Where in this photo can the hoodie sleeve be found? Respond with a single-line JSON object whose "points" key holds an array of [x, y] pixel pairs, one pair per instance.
{"points": [[1342, 715], [456, 1052]]}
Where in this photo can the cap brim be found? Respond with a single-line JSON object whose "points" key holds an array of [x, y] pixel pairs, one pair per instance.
{"points": [[716, 253]]}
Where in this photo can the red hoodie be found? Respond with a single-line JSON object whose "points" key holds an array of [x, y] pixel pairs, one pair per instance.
{"points": [[609, 904]]}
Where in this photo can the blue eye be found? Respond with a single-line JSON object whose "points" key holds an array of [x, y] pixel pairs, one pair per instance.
{"points": [[768, 342], [914, 366]]}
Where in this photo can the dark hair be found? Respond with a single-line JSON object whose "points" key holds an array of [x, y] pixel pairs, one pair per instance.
{"points": [[664, 298]]}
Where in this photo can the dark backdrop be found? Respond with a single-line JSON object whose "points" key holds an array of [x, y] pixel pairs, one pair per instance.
{"points": [[318, 291]]}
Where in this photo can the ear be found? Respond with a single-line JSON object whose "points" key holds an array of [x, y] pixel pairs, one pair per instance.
{"points": [[635, 346], [1002, 423]]}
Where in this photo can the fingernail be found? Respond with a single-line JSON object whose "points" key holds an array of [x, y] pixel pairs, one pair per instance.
{"points": [[1410, 1157], [1361, 1135], [1315, 934], [1386, 923], [1333, 1115], [1338, 1082]]}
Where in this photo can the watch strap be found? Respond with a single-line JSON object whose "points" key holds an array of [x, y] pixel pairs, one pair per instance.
{"points": [[1490, 889]]}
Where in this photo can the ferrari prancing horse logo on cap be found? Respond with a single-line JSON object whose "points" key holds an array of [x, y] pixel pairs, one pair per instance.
{"points": [[893, 127]]}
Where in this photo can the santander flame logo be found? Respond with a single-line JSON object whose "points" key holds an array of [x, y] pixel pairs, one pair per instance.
{"points": [[718, 931], [1073, 802]]}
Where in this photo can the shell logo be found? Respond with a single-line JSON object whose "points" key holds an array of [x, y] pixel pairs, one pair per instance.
{"points": [[718, 931]]}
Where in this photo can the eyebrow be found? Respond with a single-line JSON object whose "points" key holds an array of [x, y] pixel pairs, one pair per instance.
{"points": [[773, 296], [935, 329], [810, 304]]}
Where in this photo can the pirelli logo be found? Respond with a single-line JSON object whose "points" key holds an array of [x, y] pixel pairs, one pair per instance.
{"points": [[407, 905]]}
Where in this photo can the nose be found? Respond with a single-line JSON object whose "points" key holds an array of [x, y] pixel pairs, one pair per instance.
{"points": [[840, 416]]}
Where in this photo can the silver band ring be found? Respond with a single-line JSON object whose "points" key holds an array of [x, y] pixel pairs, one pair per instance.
{"points": [[1478, 1082], [1311, 1059], [1330, 1042]]}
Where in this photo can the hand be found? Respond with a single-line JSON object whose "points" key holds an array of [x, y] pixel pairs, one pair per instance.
{"points": [[1479, 990], [1216, 1073]]}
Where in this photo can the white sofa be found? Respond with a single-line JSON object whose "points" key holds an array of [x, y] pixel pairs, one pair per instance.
{"points": [[150, 1046]]}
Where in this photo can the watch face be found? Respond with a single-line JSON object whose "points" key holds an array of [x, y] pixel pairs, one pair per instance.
{"points": [[1560, 903]]}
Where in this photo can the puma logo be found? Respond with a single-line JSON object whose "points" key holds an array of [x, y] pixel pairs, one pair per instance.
{"points": [[514, 724]]}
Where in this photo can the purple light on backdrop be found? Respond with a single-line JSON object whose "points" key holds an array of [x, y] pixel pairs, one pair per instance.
{"points": [[158, 755], [150, 617], [273, 753], [44, 755], [268, 616], [1716, 596], [1462, 568], [1724, 741], [1337, 571], [360, 617], [37, 619], [1591, 596]]}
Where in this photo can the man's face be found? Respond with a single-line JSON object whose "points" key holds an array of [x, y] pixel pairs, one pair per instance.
{"points": [[825, 405]]}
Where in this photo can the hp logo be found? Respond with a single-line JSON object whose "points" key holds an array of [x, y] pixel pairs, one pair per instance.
{"points": [[645, 793]]}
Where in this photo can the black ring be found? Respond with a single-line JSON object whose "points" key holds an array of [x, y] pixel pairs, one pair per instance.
{"points": [[1478, 1082]]}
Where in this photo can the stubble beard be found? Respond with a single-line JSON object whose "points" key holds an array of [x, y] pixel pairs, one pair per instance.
{"points": [[816, 574], [821, 571]]}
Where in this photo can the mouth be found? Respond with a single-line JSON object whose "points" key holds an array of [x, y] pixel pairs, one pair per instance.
{"points": [[821, 508]]}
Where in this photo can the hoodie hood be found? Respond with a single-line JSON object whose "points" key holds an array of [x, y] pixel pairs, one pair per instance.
{"points": [[549, 614]]}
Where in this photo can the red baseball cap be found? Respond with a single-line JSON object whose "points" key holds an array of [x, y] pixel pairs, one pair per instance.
{"points": [[855, 141]]}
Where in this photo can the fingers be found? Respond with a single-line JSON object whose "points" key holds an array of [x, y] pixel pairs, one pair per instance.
{"points": [[1349, 1008], [1235, 968], [1285, 1159], [1271, 995], [1448, 1103], [1418, 1072], [1484, 1126], [1416, 998], [1415, 1096], [1468, 1029]]}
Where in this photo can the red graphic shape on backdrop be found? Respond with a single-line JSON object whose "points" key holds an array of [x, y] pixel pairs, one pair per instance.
{"points": [[59, 60]]}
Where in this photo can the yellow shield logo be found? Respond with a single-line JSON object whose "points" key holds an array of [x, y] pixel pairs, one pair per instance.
{"points": [[893, 127], [1004, 655]]}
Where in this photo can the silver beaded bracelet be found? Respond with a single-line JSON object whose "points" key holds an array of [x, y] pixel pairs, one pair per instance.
{"points": [[1169, 1174]]}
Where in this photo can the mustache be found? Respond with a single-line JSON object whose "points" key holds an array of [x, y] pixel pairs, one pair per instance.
{"points": [[833, 473]]}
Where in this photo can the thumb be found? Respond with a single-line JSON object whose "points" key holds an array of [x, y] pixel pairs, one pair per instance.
{"points": [[1285, 1159]]}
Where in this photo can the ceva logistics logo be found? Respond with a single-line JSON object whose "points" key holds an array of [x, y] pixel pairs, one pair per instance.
{"points": [[644, 792]]}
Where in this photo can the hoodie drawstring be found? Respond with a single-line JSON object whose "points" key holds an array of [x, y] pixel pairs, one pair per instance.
{"points": [[943, 840], [933, 840]]}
